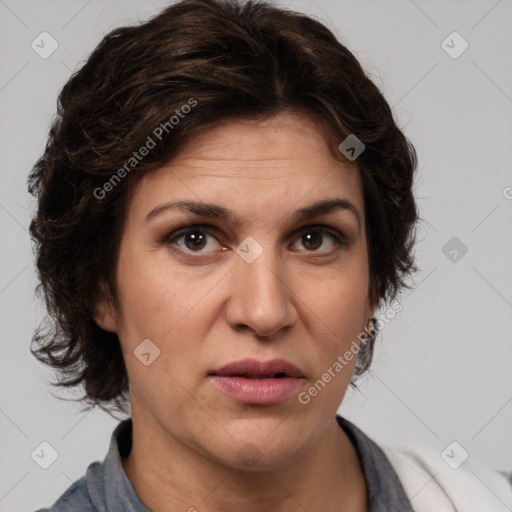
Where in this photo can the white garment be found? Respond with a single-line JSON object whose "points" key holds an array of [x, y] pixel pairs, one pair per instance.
{"points": [[433, 486]]}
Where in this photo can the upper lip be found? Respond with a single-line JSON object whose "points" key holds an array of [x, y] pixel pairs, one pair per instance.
{"points": [[259, 368]]}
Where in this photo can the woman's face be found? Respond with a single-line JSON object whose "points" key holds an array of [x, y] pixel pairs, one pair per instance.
{"points": [[250, 280]]}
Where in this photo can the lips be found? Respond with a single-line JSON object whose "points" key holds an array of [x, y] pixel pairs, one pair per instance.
{"points": [[254, 369], [258, 382]]}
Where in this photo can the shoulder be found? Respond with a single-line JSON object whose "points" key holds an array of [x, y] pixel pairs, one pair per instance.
{"points": [[77, 498], [105, 485], [433, 484]]}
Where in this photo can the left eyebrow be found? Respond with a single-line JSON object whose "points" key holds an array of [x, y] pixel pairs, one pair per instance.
{"points": [[317, 209], [324, 207]]}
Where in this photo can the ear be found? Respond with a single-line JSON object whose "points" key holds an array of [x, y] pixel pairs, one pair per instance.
{"points": [[104, 310]]}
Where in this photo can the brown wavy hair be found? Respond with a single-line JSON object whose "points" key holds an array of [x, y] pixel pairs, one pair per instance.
{"points": [[233, 59]]}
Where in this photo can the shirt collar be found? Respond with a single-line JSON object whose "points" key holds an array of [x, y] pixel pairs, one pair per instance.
{"points": [[120, 496], [383, 488]]}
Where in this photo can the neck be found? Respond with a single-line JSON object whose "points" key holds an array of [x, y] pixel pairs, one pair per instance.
{"points": [[167, 475]]}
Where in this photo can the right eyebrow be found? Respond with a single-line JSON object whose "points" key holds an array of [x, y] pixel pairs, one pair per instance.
{"points": [[198, 208]]}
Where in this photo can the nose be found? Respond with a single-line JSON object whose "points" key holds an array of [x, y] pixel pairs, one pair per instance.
{"points": [[261, 300]]}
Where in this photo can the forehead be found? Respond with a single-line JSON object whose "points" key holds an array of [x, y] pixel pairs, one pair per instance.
{"points": [[286, 138], [273, 164]]}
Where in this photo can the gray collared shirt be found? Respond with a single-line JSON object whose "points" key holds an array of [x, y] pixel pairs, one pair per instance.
{"points": [[106, 488]]}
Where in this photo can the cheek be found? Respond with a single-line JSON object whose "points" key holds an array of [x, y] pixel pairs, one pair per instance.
{"points": [[155, 295], [166, 305], [335, 306], [338, 298]]}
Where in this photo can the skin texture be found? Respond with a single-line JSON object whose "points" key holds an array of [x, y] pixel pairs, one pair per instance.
{"points": [[303, 300]]}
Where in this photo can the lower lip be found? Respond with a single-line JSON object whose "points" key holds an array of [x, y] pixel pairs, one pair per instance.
{"points": [[258, 391]]}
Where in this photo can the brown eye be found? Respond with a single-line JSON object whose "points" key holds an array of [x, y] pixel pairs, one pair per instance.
{"points": [[314, 237], [193, 239], [312, 241]]}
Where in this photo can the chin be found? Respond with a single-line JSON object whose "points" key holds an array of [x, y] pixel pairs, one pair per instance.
{"points": [[262, 445]]}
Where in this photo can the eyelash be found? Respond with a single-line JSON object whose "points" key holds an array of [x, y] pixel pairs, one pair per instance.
{"points": [[339, 239]]}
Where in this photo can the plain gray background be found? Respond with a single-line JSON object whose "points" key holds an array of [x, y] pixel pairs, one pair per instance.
{"points": [[442, 370]]}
